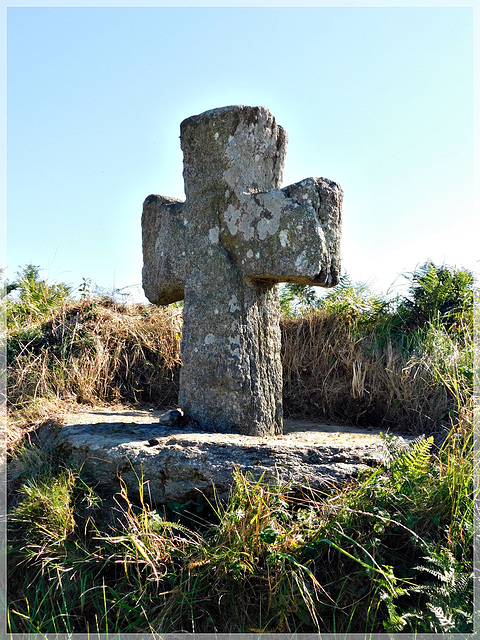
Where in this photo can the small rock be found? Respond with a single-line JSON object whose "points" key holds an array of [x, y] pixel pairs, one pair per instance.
{"points": [[153, 442], [171, 418]]}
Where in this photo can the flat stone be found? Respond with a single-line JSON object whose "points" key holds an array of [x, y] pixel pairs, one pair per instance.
{"points": [[178, 463]]}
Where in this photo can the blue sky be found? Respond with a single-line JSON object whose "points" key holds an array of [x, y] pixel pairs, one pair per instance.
{"points": [[379, 99]]}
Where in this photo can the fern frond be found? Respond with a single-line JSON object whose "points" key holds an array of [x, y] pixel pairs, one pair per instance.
{"points": [[449, 593], [445, 622], [445, 577], [411, 461]]}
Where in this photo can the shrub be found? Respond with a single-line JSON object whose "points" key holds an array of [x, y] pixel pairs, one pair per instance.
{"points": [[37, 299], [297, 299], [439, 294]]}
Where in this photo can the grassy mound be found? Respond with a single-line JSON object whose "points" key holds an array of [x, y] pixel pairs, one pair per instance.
{"points": [[92, 352], [334, 369], [367, 365]]}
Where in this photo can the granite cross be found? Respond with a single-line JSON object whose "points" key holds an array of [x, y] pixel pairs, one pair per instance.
{"points": [[224, 250]]}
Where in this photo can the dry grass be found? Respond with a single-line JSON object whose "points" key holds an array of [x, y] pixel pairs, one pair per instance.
{"points": [[92, 352], [332, 371]]}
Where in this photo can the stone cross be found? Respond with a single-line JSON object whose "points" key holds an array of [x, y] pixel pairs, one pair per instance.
{"points": [[224, 250]]}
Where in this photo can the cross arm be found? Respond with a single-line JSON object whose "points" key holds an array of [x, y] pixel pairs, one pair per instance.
{"points": [[288, 235], [163, 240]]}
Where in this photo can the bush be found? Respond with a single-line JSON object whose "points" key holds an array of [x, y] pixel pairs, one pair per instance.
{"points": [[37, 299], [439, 294]]}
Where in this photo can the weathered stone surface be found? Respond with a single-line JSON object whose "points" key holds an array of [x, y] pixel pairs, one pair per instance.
{"points": [[224, 249], [177, 464]]}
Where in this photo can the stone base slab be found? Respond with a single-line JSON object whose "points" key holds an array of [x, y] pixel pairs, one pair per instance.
{"points": [[178, 464]]}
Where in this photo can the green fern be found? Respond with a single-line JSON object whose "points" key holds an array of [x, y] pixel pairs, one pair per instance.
{"points": [[445, 602], [448, 598], [439, 293], [410, 461]]}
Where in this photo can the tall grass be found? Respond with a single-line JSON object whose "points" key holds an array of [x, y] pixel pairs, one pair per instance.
{"points": [[337, 370], [356, 356], [91, 352]]}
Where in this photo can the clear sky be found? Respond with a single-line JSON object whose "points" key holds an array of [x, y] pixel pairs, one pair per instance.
{"points": [[379, 99]]}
